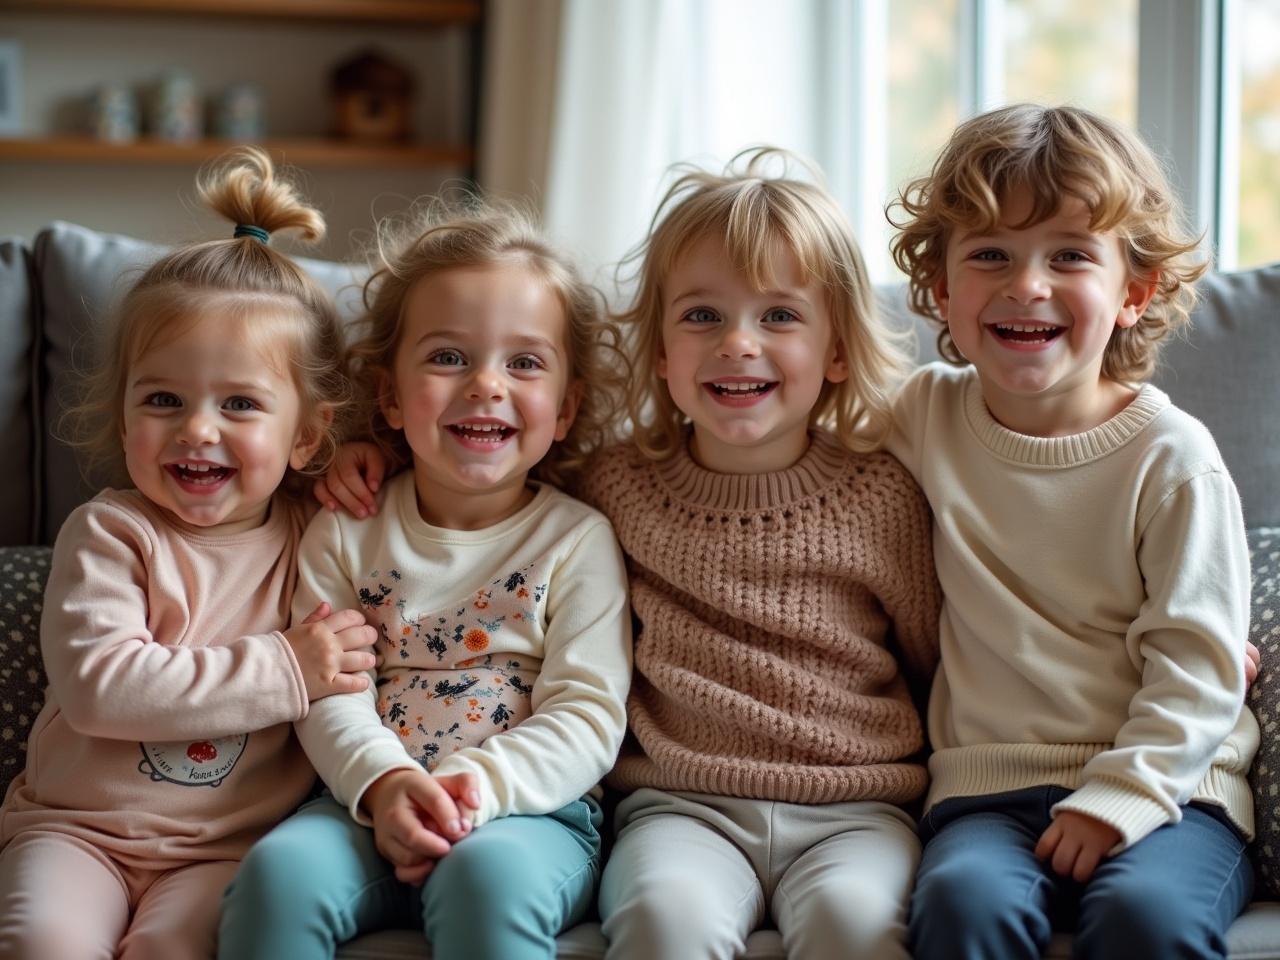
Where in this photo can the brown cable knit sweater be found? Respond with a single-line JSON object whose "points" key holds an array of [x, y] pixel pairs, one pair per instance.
{"points": [[770, 609]]}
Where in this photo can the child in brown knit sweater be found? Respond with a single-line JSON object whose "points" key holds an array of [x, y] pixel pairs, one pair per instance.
{"points": [[782, 579]]}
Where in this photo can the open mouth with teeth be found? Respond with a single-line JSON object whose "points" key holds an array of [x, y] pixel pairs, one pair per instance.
{"points": [[482, 432], [741, 390], [1029, 333], [199, 474]]}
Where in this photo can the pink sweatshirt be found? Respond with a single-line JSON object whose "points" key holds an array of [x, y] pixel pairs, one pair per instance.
{"points": [[166, 735]]}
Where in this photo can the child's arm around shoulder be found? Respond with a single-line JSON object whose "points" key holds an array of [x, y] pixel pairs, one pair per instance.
{"points": [[112, 678], [573, 736]]}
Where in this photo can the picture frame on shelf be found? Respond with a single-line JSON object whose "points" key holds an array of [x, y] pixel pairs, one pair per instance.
{"points": [[10, 88]]}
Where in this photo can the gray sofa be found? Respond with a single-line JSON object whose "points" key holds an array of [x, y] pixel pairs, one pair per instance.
{"points": [[55, 290]]}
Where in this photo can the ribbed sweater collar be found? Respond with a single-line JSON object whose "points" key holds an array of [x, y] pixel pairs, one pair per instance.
{"points": [[822, 463], [1065, 451]]}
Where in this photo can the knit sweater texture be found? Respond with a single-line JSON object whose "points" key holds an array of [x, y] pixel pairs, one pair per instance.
{"points": [[774, 612]]}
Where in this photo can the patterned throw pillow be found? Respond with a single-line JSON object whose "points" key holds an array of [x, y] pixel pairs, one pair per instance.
{"points": [[23, 571], [1264, 700]]}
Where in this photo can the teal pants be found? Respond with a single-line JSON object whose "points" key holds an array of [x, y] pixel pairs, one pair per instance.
{"points": [[503, 893]]}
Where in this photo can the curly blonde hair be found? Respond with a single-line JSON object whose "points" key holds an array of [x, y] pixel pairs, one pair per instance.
{"points": [[255, 290], [1049, 153], [443, 234], [753, 211]]}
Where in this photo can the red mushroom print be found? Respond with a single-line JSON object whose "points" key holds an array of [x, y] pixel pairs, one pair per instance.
{"points": [[202, 751]]}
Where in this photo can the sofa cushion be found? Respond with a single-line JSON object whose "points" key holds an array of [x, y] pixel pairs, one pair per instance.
{"points": [[18, 487], [1224, 374], [82, 274], [23, 571], [1264, 700]]}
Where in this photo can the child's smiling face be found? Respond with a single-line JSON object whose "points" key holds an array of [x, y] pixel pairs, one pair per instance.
{"points": [[480, 386], [747, 366], [1034, 308], [211, 424]]}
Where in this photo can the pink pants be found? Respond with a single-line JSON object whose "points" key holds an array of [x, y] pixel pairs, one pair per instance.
{"points": [[63, 899]]}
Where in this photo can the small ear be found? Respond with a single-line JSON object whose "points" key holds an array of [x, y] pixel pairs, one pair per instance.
{"points": [[941, 295], [310, 436], [388, 403], [660, 361], [838, 363], [1138, 293], [568, 409]]}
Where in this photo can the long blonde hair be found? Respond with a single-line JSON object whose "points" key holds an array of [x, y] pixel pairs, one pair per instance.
{"points": [[263, 291], [1053, 152], [752, 212], [442, 234]]}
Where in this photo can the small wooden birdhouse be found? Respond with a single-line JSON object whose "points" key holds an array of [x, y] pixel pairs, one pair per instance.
{"points": [[371, 98]]}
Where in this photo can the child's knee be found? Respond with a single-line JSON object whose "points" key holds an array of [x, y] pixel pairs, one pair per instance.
{"points": [[49, 936]]}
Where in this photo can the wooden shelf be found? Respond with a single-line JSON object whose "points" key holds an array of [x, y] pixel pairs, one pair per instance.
{"points": [[372, 11], [300, 153]]}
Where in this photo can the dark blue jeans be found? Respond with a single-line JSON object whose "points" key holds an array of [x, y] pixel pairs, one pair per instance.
{"points": [[982, 893]]}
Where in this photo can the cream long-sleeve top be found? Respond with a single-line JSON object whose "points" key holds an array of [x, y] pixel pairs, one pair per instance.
{"points": [[1096, 605], [506, 651], [166, 733]]}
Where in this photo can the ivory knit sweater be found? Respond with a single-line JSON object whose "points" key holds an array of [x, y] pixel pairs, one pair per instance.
{"points": [[772, 609], [1097, 604]]}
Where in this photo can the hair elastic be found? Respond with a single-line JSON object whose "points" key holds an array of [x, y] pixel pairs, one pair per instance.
{"points": [[248, 230]]}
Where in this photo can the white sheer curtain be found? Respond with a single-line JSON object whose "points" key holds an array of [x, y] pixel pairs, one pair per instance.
{"points": [[587, 103]]}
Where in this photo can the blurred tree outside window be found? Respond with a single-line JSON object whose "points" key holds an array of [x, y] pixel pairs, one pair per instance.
{"points": [[1257, 196]]}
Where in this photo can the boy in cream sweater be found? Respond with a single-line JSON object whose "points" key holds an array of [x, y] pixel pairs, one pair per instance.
{"points": [[1087, 718]]}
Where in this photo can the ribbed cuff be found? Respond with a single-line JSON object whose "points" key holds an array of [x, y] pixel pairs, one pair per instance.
{"points": [[1116, 803]]}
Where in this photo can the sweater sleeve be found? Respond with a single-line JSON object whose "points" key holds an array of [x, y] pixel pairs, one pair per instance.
{"points": [[573, 736], [112, 678], [1189, 639], [911, 595], [342, 735]]}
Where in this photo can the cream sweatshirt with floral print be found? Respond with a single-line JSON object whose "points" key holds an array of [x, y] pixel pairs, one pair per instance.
{"points": [[506, 652]]}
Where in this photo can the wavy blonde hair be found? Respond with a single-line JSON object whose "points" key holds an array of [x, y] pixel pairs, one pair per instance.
{"points": [[1050, 153], [257, 291], [753, 211], [444, 234]]}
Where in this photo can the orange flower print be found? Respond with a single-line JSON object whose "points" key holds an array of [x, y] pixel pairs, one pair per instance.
{"points": [[472, 702], [476, 639], [517, 616], [482, 599], [404, 732], [522, 593], [405, 630]]}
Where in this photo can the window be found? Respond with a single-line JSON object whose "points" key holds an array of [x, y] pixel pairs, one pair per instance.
{"points": [[1249, 219]]}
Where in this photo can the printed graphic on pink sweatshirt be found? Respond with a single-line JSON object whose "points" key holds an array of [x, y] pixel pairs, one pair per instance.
{"points": [[193, 763]]}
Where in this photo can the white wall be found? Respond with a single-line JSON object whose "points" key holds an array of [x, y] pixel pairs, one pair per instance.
{"points": [[66, 56]]}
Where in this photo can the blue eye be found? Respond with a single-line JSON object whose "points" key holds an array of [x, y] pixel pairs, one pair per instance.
{"points": [[780, 315], [447, 357], [1073, 256], [168, 400], [701, 315], [526, 361], [240, 405], [988, 256]]}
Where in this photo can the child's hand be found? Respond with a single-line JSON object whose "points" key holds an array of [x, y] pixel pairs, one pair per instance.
{"points": [[1252, 663], [328, 646], [353, 478], [1077, 843], [413, 817]]}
